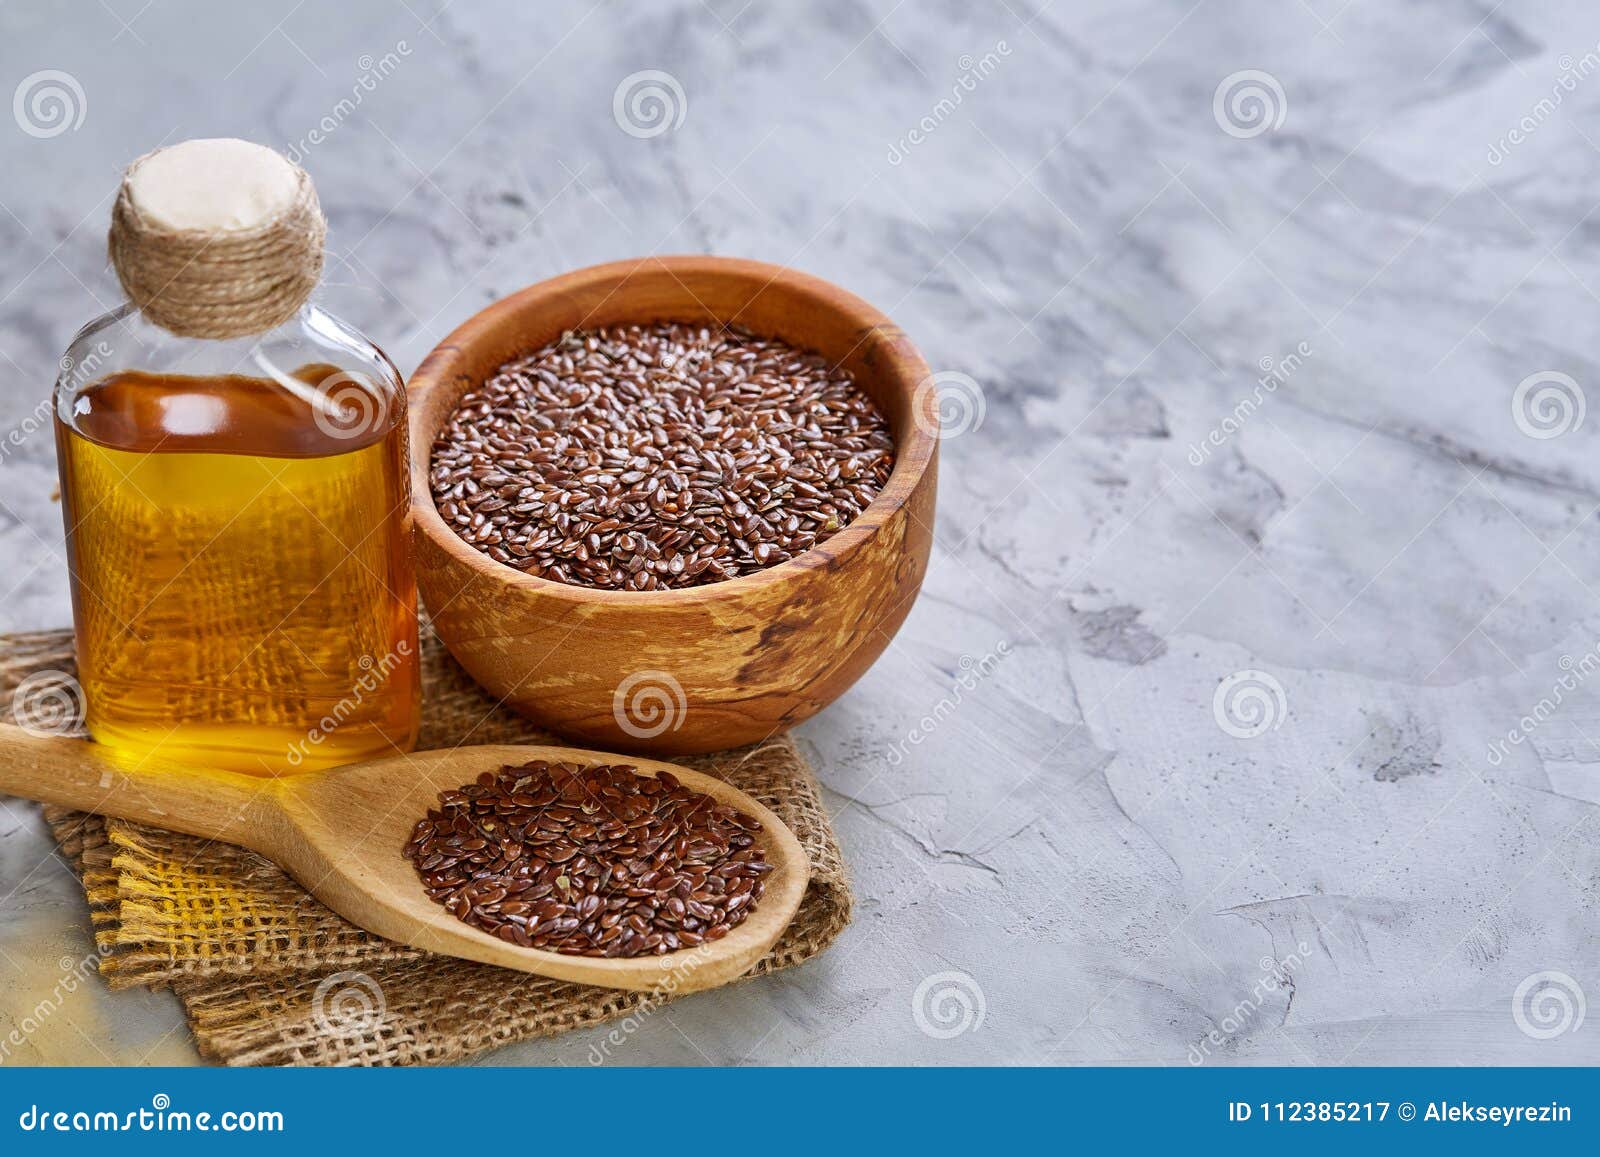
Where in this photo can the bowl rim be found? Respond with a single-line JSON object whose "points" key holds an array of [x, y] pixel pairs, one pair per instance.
{"points": [[902, 365]]}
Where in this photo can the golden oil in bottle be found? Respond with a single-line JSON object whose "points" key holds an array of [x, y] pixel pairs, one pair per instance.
{"points": [[234, 482], [242, 584]]}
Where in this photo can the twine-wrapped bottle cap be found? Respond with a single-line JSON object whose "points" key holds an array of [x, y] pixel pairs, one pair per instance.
{"points": [[217, 238]]}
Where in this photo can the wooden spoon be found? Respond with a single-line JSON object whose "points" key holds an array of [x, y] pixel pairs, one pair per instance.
{"points": [[340, 833]]}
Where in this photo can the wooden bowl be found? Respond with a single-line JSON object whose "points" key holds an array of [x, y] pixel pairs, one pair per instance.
{"points": [[705, 668]]}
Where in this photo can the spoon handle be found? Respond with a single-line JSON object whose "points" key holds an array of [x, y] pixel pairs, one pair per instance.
{"points": [[201, 801]]}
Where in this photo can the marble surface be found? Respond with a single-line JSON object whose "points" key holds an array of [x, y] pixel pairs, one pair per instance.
{"points": [[1216, 735]]}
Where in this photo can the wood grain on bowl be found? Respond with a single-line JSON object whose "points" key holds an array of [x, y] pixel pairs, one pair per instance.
{"points": [[709, 667]]}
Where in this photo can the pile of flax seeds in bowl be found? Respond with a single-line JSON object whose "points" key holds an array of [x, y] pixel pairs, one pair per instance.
{"points": [[652, 457]]}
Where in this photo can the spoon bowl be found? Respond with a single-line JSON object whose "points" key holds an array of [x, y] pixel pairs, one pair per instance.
{"points": [[341, 832]]}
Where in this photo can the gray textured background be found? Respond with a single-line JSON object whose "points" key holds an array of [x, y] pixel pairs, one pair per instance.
{"points": [[1117, 877]]}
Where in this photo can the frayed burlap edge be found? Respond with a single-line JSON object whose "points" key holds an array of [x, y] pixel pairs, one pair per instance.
{"points": [[267, 975]]}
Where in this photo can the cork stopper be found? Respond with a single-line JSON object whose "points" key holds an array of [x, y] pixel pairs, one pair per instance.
{"points": [[217, 238]]}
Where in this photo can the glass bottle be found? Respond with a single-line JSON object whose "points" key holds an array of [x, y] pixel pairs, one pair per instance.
{"points": [[238, 533]]}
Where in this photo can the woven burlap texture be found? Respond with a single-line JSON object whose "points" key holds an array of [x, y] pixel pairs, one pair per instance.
{"points": [[268, 976]]}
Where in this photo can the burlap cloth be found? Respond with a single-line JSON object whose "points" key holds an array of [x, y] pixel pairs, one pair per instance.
{"points": [[269, 976]]}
